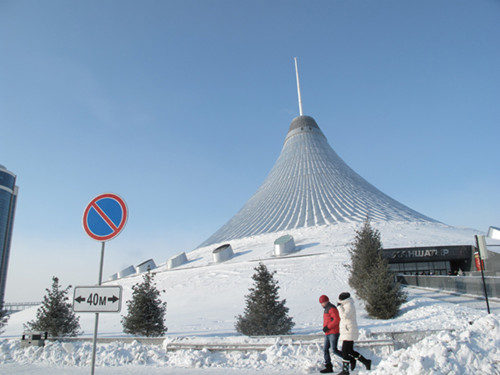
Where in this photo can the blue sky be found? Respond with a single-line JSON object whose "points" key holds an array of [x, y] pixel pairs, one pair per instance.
{"points": [[182, 107]]}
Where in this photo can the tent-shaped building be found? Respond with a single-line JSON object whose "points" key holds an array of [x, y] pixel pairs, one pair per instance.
{"points": [[310, 185]]}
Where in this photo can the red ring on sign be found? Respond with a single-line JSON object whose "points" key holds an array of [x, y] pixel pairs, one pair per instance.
{"points": [[102, 214]]}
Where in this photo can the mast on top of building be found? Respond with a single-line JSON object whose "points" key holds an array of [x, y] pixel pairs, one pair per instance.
{"points": [[298, 87]]}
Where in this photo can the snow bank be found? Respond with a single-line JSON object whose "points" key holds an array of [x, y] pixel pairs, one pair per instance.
{"points": [[57, 354], [475, 350], [472, 348]]}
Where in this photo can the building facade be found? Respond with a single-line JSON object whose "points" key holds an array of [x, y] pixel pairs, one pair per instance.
{"points": [[431, 260], [8, 198]]}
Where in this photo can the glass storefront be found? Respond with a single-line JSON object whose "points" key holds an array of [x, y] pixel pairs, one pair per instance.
{"points": [[422, 268], [430, 260]]}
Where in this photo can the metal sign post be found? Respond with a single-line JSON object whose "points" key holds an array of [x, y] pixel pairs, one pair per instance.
{"points": [[96, 325], [103, 219]]}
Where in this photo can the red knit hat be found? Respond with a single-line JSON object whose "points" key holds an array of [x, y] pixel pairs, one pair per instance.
{"points": [[323, 298]]}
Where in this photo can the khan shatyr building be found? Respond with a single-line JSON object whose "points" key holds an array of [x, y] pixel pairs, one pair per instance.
{"points": [[310, 185]]}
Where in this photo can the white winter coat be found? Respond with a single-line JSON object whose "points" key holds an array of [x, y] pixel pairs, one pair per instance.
{"points": [[348, 324]]}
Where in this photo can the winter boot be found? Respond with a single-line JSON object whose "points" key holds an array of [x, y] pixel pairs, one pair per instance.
{"points": [[345, 367], [353, 362], [366, 362], [328, 368]]}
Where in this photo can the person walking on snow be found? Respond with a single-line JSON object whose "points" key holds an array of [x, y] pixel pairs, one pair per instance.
{"points": [[348, 334], [331, 321]]}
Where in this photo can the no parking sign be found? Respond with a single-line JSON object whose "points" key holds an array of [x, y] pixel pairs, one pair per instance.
{"points": [[105, 217]]}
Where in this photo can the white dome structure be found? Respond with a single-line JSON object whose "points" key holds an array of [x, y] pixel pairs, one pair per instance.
{"points": [[146, 266], [177, 260], [130, 270], [222, 253], [284, 245]]}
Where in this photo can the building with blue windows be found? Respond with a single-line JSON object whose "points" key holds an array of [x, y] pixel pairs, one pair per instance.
{"points": [[8, 198]]}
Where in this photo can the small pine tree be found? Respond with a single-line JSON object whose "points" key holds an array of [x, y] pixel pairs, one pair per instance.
{"points": [[370, 275], [264, 314], [384, 296], [146, 311], [366, 248], [55, 315]]}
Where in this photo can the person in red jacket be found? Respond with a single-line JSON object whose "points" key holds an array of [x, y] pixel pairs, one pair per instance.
{"points": [[331, 322]]}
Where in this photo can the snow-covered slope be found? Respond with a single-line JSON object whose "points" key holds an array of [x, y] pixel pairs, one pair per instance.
{"points": [[204, 297]]}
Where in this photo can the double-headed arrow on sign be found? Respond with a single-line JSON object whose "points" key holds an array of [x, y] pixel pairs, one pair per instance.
{"points": [[81, 299], [97, 299]]}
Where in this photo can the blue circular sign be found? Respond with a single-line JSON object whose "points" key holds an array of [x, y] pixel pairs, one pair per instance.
{"points": [[105, 217]]}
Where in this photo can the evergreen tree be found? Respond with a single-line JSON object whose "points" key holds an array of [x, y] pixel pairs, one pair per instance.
{"points": [[146, 311], [384, 296], [55, 315], [366, 248], [264, 314], [370, 275]]}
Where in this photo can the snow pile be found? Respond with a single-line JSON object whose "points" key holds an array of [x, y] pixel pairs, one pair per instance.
{"points": [[472, 348], [80, 353], [475, 350], [57, 354]]}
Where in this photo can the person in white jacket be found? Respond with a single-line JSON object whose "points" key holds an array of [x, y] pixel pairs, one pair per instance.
{"points": [[348, 334]]}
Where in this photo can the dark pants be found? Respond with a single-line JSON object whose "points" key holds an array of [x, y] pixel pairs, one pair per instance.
{"points": [[348, 350], [331, 341]]}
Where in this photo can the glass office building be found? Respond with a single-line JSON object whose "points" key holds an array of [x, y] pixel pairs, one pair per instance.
{"points": [[8, 197]]}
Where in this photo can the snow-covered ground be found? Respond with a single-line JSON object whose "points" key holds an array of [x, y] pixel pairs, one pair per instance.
{"points": [[204, 298]]}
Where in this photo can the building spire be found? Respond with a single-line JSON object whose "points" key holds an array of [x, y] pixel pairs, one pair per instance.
{"points": [[298, 87]]}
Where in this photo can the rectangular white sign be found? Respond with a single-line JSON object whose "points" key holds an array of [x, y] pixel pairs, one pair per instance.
{"points": [[97, 299], [494, 233]]}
